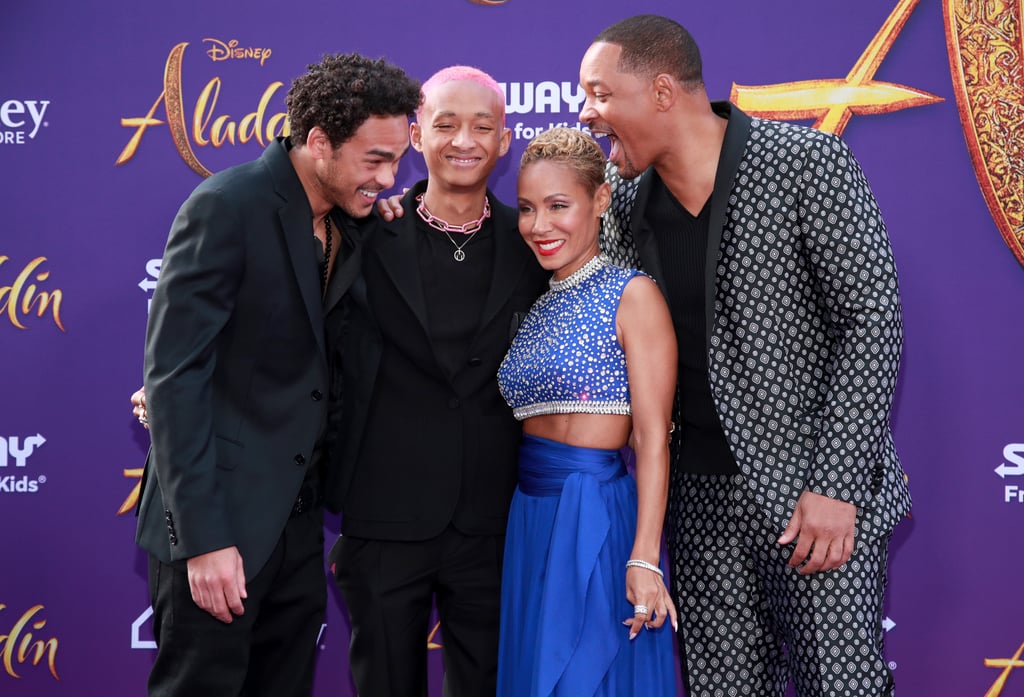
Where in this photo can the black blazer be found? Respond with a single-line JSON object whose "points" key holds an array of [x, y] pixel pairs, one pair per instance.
{"points": [[236, 369], [421, 449]]}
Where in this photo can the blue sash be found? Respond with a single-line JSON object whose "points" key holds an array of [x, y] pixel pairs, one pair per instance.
{"points": [[572, 595], [545, 465]]}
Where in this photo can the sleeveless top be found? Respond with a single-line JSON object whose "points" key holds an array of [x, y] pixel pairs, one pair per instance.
{"points": [[566, 357]]}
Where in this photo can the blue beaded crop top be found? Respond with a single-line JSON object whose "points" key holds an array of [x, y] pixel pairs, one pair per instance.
{"points": [[566, 357]]}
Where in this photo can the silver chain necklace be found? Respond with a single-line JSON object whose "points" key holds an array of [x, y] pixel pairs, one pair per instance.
{"points": [[458, 254]]}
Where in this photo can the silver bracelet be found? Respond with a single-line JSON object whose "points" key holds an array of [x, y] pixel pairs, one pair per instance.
{"points": [[645, 565]]}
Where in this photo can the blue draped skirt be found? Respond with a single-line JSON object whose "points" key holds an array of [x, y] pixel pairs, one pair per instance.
{"points": [[563, 591]]}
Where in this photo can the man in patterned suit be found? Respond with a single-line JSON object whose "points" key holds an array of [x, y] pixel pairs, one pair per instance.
{"points": [[770, 248]]}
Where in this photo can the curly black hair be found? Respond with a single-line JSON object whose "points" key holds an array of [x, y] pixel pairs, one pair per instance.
{"points": [[342, 91]]}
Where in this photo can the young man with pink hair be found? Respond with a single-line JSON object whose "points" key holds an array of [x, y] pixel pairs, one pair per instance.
{"points": [[426, 460]]}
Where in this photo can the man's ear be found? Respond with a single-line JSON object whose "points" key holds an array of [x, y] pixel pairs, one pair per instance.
{"points": [[666, 91], [506, 141], [318, 144], [416, 136]]}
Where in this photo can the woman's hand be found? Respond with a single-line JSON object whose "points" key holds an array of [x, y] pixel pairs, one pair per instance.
{"points": [[646, 590]]}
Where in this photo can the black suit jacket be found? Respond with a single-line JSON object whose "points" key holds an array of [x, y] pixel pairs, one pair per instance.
{"points": [[236, 369], [421, 448]]}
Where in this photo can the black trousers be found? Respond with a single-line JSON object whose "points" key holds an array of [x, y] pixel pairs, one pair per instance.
{"points": [[389, 588], [268, 650]]}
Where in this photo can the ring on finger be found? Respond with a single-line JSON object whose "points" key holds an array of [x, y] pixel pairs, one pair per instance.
{"points": [[641, 610]]}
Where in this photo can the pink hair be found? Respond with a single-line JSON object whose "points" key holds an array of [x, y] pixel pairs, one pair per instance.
{"points": [[461, 72]]}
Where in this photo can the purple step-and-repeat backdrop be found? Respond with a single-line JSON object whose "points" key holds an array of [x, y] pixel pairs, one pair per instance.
{"points": [[110, 113]]}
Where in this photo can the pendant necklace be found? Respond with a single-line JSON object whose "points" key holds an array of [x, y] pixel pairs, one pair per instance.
{"points": [[469, 229]]}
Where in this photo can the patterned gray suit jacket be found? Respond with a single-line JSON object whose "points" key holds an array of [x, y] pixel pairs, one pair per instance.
{"points": [[803, 317]]}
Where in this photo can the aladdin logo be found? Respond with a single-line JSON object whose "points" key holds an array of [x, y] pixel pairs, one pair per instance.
{"points": [[1013, 454], [205, 128], [220, 51], [18, 648], [22, 297], [18, 116]]}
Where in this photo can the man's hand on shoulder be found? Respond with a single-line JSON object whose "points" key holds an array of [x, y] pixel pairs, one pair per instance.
{"points": [[217, 582], [824, 532], [391, 207]]}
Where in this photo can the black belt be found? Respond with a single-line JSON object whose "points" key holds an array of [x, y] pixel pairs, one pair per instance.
{"points": [[308, 499]]}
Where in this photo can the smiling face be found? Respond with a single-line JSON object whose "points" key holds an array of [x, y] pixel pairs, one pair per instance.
{"points": [[559, 217], [353, 174], [619, 106], [461, 134]]}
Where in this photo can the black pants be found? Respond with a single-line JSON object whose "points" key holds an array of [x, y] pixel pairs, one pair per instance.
{"points": [[389, 587], [268, 650]]}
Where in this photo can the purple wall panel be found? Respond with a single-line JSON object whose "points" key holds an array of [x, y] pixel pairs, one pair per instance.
{"points": [[76, 225]]}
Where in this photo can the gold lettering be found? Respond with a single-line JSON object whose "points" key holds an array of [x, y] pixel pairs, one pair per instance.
{"points": [[223, 130], [207, 128], [133, 496], [176, 112], [249, 128], [25, 645], [1007, 665], [22, 296], [218, 50], [255, 120], [140, 125], [431, 642], [204, 111], [278, 123]]}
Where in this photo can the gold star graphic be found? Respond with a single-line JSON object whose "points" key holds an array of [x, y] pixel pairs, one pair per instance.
{"points": [[831, 102]]}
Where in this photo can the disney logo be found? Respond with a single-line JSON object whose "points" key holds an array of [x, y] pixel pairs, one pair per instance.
{"points": [[220, 51]]}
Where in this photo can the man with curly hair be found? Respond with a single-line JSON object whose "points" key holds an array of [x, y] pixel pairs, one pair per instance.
{"points": [[237, 378]]}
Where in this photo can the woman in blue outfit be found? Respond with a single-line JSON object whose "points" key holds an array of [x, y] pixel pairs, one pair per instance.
{"points": [[591, 365]]}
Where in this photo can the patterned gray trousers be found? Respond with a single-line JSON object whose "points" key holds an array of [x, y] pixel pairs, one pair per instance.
{"points": [[749, 623]]}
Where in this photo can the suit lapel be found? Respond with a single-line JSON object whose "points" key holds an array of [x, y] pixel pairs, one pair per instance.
{"points": [[348, 262], [508, 260], [643, 234], [297, 227], [396, 246], [728, 162]]}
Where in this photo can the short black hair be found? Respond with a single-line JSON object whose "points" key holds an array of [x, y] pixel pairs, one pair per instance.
{"points": [[652, 44], [342, 91]]}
